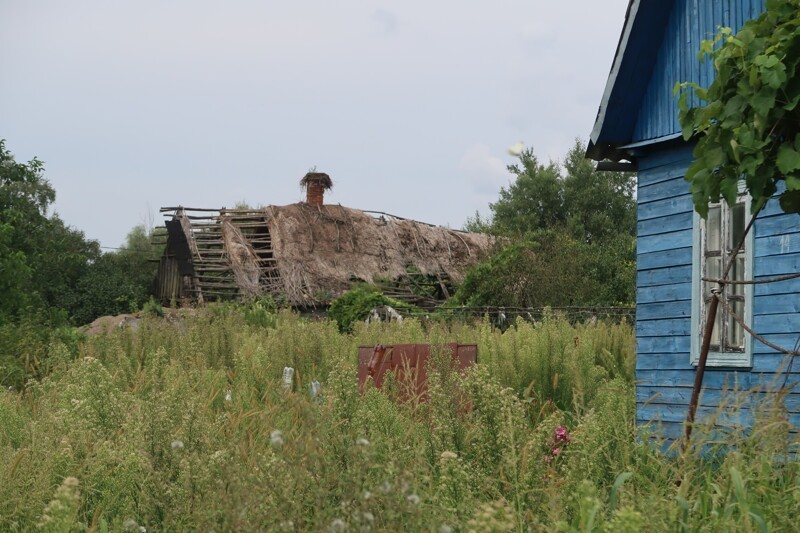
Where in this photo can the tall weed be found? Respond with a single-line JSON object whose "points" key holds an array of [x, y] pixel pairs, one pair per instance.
{"points": [[186, 425]]}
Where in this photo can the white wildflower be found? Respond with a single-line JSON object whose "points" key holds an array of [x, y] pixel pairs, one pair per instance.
{"points": [[413, 499], [177, 445], [366, 495], [228, 395], [444, 528], [369, 517], [362, 442], [130, 525], [276, 438], [75, 402], [338, 525], [449, 455], [386, 487]]}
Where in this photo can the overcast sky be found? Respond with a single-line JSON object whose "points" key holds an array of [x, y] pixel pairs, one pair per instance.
{"points": [[409, 106]]}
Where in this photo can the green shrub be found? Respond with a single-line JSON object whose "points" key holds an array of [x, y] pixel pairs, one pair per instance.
{"points": [[261, 312], [152, 308], [356, 304]]}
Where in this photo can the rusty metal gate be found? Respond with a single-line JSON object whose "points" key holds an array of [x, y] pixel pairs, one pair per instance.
{"points": [[408, 363]]}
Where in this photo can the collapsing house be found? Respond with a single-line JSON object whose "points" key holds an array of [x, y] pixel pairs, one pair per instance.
{"points": [[308, 253]]}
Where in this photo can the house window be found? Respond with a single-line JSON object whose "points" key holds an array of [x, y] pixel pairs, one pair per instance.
{"points": [[716, 238]]}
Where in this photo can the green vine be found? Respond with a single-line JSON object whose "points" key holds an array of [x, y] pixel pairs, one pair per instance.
{"points": [[749, 123]]}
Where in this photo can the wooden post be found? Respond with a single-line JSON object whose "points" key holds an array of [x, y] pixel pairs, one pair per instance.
{"points": [[701, 367]]}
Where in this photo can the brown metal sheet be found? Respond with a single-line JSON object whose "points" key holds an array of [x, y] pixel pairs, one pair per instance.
{"points": [[409, 364]]}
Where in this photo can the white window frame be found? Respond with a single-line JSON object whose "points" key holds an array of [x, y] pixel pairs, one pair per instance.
{"points": [[739, 359]]}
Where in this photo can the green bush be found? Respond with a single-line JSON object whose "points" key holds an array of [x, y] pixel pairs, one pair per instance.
{"points": [[356, 304], [550, 268], [152, 308]]}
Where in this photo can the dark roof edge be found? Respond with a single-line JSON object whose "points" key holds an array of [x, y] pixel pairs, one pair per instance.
{"points": [[593, 150]]}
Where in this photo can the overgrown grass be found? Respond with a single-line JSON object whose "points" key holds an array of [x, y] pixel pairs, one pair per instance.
{"points": [[187, 426]]}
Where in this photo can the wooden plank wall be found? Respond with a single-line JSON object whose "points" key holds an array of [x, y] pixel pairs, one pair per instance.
{"points": [[664, 291], [690, 22]]}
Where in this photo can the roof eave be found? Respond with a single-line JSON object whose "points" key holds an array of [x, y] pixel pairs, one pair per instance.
{"points": [[639, 42], [595, 151]]}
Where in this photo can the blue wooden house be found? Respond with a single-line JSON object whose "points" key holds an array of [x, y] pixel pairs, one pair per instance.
{"points": [[637, 122]]}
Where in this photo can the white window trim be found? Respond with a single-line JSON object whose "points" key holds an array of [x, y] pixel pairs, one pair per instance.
{"points": [[722, 359]]}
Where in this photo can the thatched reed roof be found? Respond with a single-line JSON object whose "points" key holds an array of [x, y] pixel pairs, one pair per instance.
{"points": [[323, 250], [310, 255]]}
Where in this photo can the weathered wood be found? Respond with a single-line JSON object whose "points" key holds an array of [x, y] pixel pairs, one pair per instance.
{"points": [[671, 327], [205, 209], [664, 207], [663, 344], [664, 310], [665, 293], [664, 241], [670, 188], [663, 276], [232, 285], [665, 224]]}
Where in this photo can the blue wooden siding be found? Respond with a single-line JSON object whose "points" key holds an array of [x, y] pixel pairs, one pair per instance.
{"points": [[664, 292], [690, 22]]}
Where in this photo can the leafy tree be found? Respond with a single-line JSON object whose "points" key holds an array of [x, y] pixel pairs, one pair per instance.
{"points": [[15, 275], [599, 206], [572, 232], [50, 270], [551, 268], [478, 224], [592, 206], [118, 282], [545, 270], [750, 121], [42, 257], [24, 198], [533, 201]]}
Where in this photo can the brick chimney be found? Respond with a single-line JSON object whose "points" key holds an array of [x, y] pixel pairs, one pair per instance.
{"points": [[316, 183]]}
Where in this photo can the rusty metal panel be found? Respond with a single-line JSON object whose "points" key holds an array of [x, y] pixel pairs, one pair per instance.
{"points": [[408, 362]]}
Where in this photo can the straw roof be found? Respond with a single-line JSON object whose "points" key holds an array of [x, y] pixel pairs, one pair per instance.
{"points": [[323, 250], [315, 254]]}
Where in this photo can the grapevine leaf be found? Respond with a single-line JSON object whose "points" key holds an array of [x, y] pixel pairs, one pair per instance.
{"points": [[788, 159], [790, 202]]}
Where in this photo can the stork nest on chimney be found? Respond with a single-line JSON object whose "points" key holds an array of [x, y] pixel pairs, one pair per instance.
{"points": [[319, 178]]}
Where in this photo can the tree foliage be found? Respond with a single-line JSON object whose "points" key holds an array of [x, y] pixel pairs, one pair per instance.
{"points": [[540, 271], [572, 233], [590, 206], [749, 123], [49, 270], [534, 201], [119, 282], [42, 258]]}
